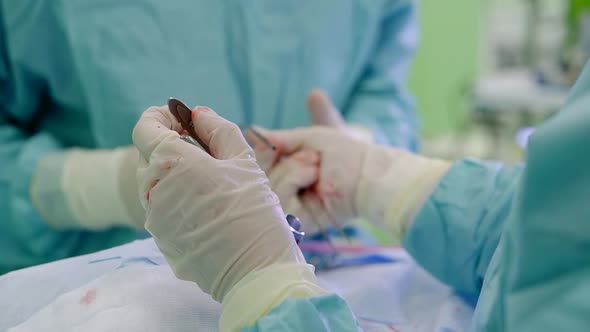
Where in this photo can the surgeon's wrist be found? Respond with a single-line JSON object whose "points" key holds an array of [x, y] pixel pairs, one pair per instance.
{"points": [[47, 194], [360, 133], [91, 182], [394, 186], [261, 290], [401, 213]]}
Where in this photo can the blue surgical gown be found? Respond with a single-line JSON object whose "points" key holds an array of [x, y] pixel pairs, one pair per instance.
{"points": [[79, 73], [517, 238]]}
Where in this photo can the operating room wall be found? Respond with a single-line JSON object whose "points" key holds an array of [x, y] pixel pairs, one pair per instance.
{"points": [[446, 64]]}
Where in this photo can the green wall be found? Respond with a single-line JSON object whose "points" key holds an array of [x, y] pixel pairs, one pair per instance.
{"points": [[446, 63]]}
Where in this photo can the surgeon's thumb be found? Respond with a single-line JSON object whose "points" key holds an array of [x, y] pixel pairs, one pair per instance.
{"points": [[154, 126], [224, 138], [321, 110]]}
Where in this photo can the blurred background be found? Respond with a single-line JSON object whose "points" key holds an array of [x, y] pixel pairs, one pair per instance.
{"points": [[488, 71]]}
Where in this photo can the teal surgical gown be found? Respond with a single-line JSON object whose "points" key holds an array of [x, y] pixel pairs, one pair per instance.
{"points": [[517, 238], [80, 73]]}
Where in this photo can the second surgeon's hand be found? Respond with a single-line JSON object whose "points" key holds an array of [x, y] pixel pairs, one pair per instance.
{"points": [[316, 174], [322, 112], [352, 178], [214, 218], [299, 172]]}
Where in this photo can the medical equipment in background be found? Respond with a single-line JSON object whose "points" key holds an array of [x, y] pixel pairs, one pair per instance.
{"points": [[506, 102], [522, 80]]}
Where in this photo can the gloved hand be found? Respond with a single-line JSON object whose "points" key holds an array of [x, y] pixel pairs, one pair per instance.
{"points": [[301, 169], [88, 189], [325, 176], [215, 218], [323, 113]]}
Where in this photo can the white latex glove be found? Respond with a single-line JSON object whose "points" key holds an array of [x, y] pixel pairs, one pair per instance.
{"points": [[215, 218], [323, 113], [301, 169], [88, 189], [353, 179]]}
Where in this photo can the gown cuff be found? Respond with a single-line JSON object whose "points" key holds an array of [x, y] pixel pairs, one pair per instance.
{"points": [[47, 192], [260, 291]]}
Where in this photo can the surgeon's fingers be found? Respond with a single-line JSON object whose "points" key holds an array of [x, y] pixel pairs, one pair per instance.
{"points": [[157, 139], [322, 112], [289, 141], [300, 179], [154, 126], [224, 138], [294, 173], [318, 217]]}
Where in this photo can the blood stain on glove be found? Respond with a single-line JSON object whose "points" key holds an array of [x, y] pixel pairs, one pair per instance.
{"points": [[169, 164], [89, 297], [262, 148], [147, 195], [328, 190]]}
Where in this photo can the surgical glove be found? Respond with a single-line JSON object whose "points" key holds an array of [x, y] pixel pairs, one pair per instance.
{"points": [[214, 217], [323, 113], [300, 170], [353, 179], [88, 189]]}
